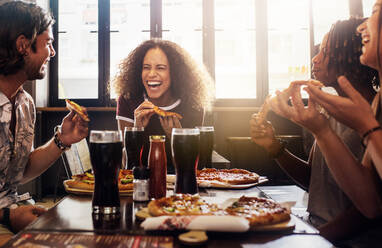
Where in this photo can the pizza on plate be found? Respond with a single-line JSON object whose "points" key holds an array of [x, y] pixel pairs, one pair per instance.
{"points": [[78, 109], [164, 113], [85, 181], [182, 205], [228, 176], [259, 211]]}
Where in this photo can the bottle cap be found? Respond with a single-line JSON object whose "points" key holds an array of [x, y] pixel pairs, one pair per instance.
{"points": [[157, 138], [141, 172]]}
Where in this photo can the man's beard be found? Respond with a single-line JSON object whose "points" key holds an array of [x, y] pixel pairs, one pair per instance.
{"points": [[34, 72]]}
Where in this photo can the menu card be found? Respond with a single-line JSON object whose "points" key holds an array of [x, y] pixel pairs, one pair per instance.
{"points": [[78, 240]]}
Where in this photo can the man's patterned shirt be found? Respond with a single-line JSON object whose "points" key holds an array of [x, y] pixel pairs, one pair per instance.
{"points": [[15, 151]]}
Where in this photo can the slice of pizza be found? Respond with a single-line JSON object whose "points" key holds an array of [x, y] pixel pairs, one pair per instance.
{"points": [[85, 181], [164, 113], [262, 114], [77, 108], [125, 180], [183, 205], [259, 211], [237, 176], [228, 176]]}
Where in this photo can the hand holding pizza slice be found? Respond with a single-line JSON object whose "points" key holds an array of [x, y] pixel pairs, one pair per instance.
{"points": [[164, 113]]}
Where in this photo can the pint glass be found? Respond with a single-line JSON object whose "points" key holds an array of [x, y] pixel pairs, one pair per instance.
{"points": [[106, 156], [133, 145], [205, 147], [185, 153]]}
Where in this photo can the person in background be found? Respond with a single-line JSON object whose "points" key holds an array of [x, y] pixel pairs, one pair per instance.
{"points": [[161, 73], [25, 50], [338, 55], [354, 111]]}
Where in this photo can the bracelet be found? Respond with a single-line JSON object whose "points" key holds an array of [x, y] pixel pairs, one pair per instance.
{"points": [[6, 220], [280, 149], [367, 133], [59, 143]]}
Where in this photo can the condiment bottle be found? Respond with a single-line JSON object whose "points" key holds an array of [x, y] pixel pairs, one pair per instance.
{"points": [[141, 183], [157, 162]]}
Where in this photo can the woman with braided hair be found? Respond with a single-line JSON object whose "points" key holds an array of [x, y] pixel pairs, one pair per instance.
{"points": [[328, 204]]}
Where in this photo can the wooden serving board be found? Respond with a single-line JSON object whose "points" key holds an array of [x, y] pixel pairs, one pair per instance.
{"points": [[288, 225], [90, 192], [217, 184]]}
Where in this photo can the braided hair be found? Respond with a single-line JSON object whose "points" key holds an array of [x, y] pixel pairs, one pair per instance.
{"points": [[346, 48]]}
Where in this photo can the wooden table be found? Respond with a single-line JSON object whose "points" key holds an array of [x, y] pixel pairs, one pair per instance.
{"points": [[73, 215]]}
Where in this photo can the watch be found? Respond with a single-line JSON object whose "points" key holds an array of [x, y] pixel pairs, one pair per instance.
{"points": [[59, 143]]}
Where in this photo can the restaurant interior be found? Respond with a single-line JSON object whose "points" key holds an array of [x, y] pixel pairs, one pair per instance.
{"points": [[251, 48], [250, 57]]}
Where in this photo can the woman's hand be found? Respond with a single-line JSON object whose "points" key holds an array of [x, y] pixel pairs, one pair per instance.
{"points": [[143, 113], [168, 123], [307, 117], [353, 111], [73, 129], [262, 133]]}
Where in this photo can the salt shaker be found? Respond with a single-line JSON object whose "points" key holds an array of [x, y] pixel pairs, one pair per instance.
{"points": [[141, 183]]}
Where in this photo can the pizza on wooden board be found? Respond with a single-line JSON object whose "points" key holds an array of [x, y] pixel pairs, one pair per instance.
{"points": [[228, 176], [182, 205], [258, 211], [78, 109], [85, 181]]}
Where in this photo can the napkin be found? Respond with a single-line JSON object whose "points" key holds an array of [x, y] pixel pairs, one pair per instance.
{"points": [[206, 223]]}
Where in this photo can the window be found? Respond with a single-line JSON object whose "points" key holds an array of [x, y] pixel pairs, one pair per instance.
{"points": [[235, 49], [78, 49], [129, 26], [288, 42], [188, 31], [325, 13], [367, 7], [251, 47]]}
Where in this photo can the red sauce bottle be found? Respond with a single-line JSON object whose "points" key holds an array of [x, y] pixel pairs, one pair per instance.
{"points": [[157, 163]]}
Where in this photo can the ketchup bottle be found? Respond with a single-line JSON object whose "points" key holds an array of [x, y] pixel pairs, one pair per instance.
{"points": [[157, 163]]}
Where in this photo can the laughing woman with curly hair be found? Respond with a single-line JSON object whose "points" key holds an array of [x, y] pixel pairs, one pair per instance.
{"points": [[161, 73]]}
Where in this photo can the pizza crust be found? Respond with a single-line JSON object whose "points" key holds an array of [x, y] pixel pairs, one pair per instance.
{"points": [[259, 211], [85, 181], [77, 108], [228, 176], [163, 113], [79, 185]]}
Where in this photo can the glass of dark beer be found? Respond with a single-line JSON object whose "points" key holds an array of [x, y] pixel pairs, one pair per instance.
{"points": [[185, 154], [206, 147], [133, 145], [106, 155]]}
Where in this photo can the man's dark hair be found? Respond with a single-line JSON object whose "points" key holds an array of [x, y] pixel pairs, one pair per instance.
{"points": [[19, 18]]}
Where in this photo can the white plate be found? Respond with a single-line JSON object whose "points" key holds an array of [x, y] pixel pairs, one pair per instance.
{"points": [[218, 184]]}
